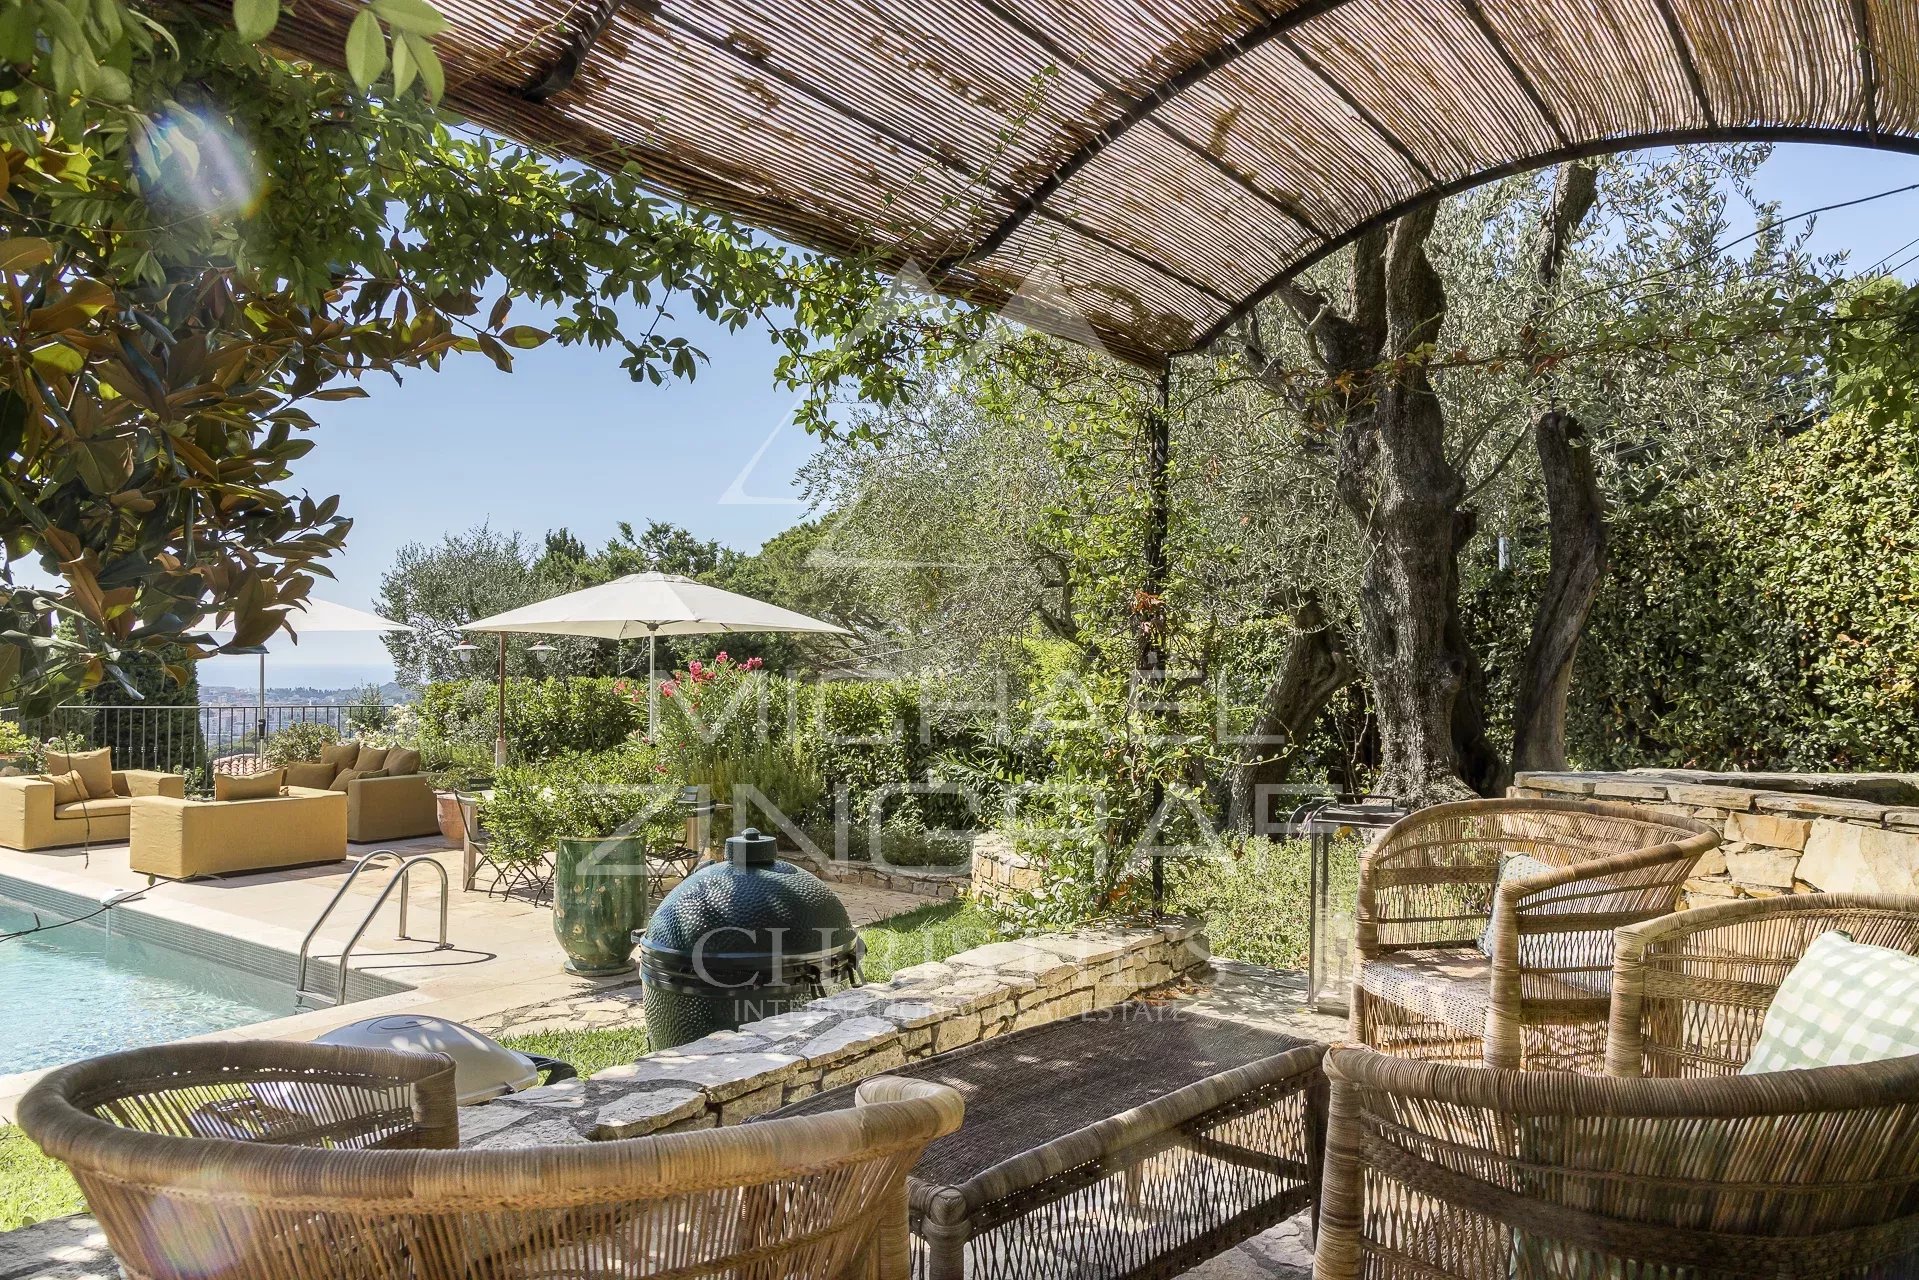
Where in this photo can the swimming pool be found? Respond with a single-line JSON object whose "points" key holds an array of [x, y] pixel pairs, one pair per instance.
{"points": [[82, 989], [127, 978]]}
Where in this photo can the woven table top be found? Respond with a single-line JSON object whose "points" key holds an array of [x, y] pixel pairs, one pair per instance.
{"points": [[1026, 1088]]}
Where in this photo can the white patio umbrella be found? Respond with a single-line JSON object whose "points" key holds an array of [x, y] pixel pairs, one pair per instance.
{"points": [[316, 616], [650, 604]]}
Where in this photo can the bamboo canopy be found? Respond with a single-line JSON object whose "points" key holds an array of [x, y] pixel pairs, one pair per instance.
{"points": [[1132, 174]]}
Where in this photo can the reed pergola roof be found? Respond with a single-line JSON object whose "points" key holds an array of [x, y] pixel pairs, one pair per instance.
{"points": [[1132, 173]]}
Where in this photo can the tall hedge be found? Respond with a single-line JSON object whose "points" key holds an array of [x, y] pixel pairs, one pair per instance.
{"points": [[1767, 617]]}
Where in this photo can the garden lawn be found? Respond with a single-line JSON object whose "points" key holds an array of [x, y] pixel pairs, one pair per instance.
{"points": [[33, 1187]]}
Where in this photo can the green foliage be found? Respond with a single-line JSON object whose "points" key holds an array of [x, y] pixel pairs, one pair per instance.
{"points": [[545, 718], [13, 739], [299, 742], [33, 1187], [1254, 897], [603, 793]]}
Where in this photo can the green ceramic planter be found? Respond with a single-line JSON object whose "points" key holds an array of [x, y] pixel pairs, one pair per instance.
{"points": [[599, 899]]}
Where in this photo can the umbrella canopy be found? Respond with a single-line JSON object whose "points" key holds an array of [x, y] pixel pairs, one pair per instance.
{"points": [[650, 604], [324, 615]]}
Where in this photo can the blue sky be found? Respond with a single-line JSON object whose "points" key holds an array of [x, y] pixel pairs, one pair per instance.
{"points": [[568, 440]]}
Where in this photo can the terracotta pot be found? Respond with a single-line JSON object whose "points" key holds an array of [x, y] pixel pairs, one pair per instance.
{"points": [[599, 899], [446, 807]]}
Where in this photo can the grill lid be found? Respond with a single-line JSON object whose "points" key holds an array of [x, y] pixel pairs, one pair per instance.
{"points": [[483, 1068]]}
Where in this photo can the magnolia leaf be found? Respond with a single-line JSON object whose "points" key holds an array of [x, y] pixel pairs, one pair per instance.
{"points": [[416, 16], [365, 50], [432, 75], [23, 252], [341, 393], [59, 356], [524, 336], [404, 66], [255, 19]]}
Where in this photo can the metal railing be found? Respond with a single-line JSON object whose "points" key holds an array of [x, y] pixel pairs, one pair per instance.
{"points": [[193, 740]]}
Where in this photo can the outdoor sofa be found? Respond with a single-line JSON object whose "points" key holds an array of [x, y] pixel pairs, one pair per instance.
{"points": [[180, 839], [35, 815], [387, 796]]}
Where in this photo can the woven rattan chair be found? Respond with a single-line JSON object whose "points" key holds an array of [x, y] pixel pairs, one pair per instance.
{"points": [[1690, 991], [150, 1134], [1438, 1171], [1424, 989]]}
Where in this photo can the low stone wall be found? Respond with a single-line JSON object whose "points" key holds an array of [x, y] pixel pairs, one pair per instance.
{"points": [[923, 1010], [1776, 841], [942, 883], [1000, 871]]}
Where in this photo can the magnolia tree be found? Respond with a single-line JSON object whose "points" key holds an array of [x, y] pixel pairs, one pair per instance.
{"points": [[203, 240]]}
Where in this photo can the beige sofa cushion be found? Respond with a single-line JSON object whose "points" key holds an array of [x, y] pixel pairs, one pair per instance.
{"points": [[250, 786], [370, 758], [401, 761], [345, 776], [340, 754], [68, 787], [80, 810], [94, 767], [316, 775]]}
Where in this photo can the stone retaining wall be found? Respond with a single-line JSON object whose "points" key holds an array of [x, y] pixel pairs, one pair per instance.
{"points": [[999, 870], [922, 1010], [943, 883], [1776, 841]]}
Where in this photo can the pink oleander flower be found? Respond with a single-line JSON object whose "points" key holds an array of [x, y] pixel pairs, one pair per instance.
{"points": [[669, 687], [694, 668], [721, 658], [752, 664]]}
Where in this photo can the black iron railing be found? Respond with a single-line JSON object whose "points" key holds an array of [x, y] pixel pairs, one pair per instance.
{"points": [[192, 740]]}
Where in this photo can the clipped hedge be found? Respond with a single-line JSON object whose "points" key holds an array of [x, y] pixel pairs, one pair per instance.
{"points": [[1766, 617], [545, 718]]}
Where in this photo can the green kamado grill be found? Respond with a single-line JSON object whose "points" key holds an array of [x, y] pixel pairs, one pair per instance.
{"points": [[742, 940]]}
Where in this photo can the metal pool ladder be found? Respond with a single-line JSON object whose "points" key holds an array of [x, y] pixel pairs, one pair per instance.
{"points": [[403, 868]]}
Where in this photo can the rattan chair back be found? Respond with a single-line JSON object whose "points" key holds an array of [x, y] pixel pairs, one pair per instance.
{"points": [[1691, 990], [1447, 1172], [1426, 889], [322, 1193]]}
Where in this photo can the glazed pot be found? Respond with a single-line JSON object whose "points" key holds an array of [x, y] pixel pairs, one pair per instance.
{"points": [[446, 806], [599, 899]]}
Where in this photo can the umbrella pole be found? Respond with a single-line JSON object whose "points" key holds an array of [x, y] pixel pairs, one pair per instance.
{"points": [[652, 688], [499, 738], [262, 727]]}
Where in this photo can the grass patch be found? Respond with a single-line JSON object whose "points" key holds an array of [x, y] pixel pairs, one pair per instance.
{"points": [[924, 934], [33, 1187], [589, 1049]]}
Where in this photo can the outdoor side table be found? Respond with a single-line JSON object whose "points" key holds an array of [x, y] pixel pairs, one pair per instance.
{"points": [[1128, 1144], [1329, 832]]}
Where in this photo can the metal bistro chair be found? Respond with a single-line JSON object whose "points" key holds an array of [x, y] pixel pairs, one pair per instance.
{"points": [[536, 874], [683, 859]]}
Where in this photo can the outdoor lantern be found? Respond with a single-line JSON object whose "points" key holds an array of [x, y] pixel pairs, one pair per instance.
{"points": [[1337, 834], [741, 940]]}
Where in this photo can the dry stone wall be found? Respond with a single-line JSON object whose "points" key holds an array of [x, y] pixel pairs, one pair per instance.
{"points": [[1000, 871], [1775, 841], [926, 1009]]}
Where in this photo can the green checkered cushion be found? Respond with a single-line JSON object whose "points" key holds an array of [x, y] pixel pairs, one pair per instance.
{"points": [[1843, 1002]]}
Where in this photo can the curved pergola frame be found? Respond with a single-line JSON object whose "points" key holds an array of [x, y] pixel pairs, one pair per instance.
{"points": [[1148, 172]]}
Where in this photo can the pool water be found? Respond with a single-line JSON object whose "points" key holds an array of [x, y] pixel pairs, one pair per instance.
{"points": [[81, 990]]}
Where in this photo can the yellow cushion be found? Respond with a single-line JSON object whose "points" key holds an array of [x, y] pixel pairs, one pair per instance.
{"points": [[85, 809], [94, 767], [345, 776], [251, 786], [340, 754], [316, 775], [68, 787], [402, 760], [370, 758]]}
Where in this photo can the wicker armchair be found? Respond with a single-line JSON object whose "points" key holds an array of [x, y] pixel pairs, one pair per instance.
{"points": [[149, 1136], [1448, 1172], [1690, 991], [1424, 989]]}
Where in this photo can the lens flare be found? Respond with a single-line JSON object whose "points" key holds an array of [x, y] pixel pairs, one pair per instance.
{"points": [[195, 160]]}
